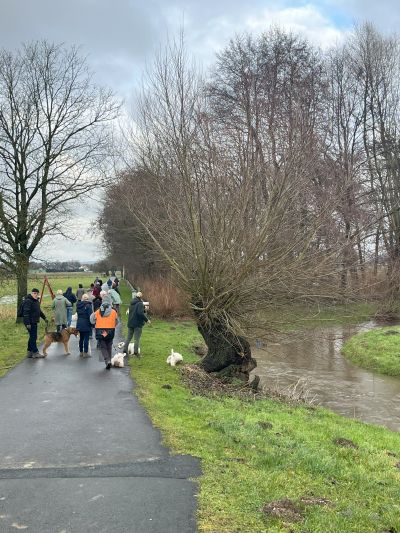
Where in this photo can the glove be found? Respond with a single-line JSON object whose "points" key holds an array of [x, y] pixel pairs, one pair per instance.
{"points": [[149, 322], [28, 327]]}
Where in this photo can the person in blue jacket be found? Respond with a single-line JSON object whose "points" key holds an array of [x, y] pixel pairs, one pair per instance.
{"points": [[84, 309]]}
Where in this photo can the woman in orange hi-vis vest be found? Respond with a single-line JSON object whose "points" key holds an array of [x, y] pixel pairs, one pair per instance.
{"points": [[105, 320]]}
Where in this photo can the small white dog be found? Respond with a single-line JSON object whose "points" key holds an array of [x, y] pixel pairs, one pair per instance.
{"points": [[121, 344], [174, 358], [118, 360]]}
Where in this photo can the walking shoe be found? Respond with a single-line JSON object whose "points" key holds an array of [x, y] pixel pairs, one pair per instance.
{"points": [[137, 354], [37, 355], [29, 355], [108, 366], [80, 354], [86, 354]]}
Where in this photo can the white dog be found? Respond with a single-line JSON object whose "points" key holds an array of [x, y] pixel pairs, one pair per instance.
{"points": [[118, 360], [174, 358], [130, 347]]}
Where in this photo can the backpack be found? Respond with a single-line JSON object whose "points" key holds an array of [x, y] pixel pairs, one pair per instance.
{"points": [[20, 312]]}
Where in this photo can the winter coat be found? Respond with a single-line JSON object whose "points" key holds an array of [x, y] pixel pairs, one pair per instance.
{"points": [[32, 311], [69, 295], [97, 301], [115, 297], [79, 293], [96, 291], [137, 317], [60, 304], [84, 310]]}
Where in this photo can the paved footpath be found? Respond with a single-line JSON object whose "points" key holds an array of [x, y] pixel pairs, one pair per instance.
{"points": [[79, 454]]}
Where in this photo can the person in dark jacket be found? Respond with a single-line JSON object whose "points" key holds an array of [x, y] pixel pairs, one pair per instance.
{"points": [[69, 295], [32, 315], [136, 320], [83, 325]]}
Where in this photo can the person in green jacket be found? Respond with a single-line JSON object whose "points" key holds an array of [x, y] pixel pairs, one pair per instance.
{"points": [[60, 305]]}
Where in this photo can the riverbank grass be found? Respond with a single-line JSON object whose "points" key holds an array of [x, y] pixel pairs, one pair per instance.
{"points": [[269, 466], [377, 350]]}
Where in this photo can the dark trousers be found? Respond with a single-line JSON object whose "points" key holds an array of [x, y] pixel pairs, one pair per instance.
{"points": [[32, 347], [84, 341], [136, 333], [60, 327], [106, 347]]}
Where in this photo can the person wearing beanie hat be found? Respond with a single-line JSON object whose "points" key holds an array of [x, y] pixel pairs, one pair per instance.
{"points": [[136, 320], [31, 317]]}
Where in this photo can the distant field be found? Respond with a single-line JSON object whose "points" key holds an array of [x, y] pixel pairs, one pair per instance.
{"points": [[57, 281]]}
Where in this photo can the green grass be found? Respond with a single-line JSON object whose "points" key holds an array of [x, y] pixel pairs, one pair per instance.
{"points": [[377, 350], [245, 466], [13, 337], [301, 317]]}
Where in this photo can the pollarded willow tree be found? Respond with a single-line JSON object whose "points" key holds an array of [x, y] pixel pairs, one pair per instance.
{"points": [[54, 145], [224, 187]]}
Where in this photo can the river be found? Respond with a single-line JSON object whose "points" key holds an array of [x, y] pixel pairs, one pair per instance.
{"points": [[314, 356]]}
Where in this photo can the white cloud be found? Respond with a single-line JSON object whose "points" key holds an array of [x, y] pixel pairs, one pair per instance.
{"points": [[306, 20]]}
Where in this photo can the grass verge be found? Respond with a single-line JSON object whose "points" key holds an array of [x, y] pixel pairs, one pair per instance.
{"points": [[269, 466], [377, 350]]}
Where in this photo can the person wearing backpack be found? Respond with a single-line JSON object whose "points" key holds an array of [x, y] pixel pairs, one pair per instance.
{"points": [[32, 314]]}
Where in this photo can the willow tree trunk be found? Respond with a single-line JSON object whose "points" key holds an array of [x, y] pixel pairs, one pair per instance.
{"points": [[228, 355]]}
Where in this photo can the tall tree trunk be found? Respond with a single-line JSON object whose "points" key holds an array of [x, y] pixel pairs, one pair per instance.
{"points": [[228, 355], [22, 266]]}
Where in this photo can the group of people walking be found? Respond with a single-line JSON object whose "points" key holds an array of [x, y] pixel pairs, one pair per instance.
{"points": [[97, 307]]}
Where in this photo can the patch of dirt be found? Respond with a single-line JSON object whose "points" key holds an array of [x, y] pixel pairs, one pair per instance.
{"points": [[345, 443], [284, 509], [265, 425], [397, 465], [289, 510], [391, 332]]}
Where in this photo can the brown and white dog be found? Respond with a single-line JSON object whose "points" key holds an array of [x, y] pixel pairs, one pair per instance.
{"points": [[59, 336]]}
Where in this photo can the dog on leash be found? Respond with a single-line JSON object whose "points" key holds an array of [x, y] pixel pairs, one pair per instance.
{"points": [[118, 360], [59, 336], [175, 358]]}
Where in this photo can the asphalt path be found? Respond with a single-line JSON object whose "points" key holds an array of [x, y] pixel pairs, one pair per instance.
{"points": [[79, 454]]}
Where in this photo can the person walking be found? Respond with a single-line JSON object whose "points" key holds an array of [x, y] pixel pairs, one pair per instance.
{"points": [[105, 320], [136, 320], [115, 299], [84, 310], [70, 296], [80, 292], [31, 316], [60, 305]]}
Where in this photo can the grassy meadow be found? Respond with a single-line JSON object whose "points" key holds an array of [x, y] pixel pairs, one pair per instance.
{"points": [[13, 337], [268, 466], [377, 350]]}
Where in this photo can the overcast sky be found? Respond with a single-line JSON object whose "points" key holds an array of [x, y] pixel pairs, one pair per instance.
{"points": [[120, 37]]}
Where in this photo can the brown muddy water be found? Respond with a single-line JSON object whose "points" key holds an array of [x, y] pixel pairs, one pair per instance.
{"points": [[314, 357]]}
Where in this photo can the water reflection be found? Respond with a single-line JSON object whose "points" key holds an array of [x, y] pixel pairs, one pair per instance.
{"points": [[314, 356]]}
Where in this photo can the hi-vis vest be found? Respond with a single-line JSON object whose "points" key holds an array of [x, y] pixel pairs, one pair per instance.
{"points": [[106, 322]]}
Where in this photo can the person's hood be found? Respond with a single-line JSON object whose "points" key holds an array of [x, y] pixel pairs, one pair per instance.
{"points": [[31, 298], [136, 300], [105, 309], [59, 297], [107, 299]]}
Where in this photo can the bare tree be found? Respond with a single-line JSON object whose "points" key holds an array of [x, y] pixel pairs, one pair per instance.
{"points": [[234, 256], [376, 67], [54, 144]]}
